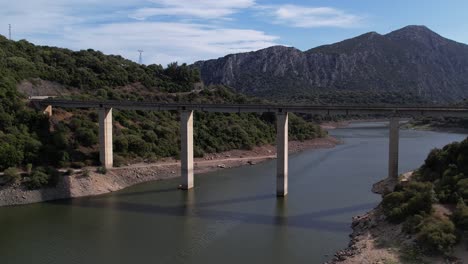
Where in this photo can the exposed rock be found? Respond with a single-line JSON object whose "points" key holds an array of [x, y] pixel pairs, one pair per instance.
{"points": [[413, 60]]}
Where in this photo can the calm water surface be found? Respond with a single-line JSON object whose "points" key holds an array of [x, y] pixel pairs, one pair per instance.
{"points": [[232, 216]]}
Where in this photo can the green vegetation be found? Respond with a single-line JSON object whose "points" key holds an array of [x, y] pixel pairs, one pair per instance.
{"points": [[437, 235], [12, 175], [408, 201], [101, 170], [443, 179], [70, 138]]}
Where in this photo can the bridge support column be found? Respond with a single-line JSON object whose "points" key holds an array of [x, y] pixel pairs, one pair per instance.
{"points": [[282, 154], [393, 147], [186, 153], [48, 111], [105, 137]]}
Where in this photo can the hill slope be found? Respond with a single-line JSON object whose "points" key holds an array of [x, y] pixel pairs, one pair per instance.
{"points": [[413, 61], [70, 138]]}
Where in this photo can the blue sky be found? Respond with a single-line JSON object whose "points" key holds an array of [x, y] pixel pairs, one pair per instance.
{"points": [[186, 31]]}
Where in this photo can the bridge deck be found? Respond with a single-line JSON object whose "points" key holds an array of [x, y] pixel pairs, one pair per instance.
{"points": [[241, 108]]}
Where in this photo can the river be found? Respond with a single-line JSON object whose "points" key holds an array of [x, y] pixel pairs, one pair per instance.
{"points": [[232, 216]]}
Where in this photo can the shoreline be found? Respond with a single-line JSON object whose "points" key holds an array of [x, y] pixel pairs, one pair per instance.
{"points": [[371, 233], [79, 185], [375, 240]]}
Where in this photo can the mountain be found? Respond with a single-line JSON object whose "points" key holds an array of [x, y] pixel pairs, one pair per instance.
{"points": [[410, 61]]}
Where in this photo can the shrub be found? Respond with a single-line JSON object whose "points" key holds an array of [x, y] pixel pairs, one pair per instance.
{"points": [[38, 180], [137, 145], [101, 170], [460, 216], [462, 188], [86, 136], [412, 225], [85, 173], [77, 165], [118, 160], [391, 204], [29, 168], [12, 175], [437, 235], [415, 198], [121, 144], [54, 176]]}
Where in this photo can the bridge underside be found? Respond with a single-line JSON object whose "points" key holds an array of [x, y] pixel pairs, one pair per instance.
{"points": [[186, 122]]}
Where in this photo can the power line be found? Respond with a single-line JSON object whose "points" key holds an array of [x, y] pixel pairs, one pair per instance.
{"points": [[140, 59]]}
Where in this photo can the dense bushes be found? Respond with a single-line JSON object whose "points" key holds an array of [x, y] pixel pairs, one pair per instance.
{"points": [[43, 177], [443, 178], [437, 235], [416, 198], [448, 169], [11, 174], [460, 216]]}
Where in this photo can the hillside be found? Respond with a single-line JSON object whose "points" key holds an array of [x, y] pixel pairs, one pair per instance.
{"points": [[431, 206], [31, 141], [409, 65]]}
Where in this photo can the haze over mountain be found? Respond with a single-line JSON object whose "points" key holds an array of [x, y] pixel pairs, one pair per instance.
{"points": [[412, 60]]}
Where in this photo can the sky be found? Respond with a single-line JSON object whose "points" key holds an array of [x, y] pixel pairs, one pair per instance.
{"points": [[187, 30]]}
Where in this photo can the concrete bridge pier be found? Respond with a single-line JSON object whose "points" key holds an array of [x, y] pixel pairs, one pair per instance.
{"points": [[393, 147], [105, 137], [186, 153], [282, 154]]}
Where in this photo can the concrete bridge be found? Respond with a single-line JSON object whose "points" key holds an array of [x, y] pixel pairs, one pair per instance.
{"points": [[186, 121]]}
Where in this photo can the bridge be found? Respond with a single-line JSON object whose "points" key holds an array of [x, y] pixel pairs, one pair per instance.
{"points": [[186, 121]]}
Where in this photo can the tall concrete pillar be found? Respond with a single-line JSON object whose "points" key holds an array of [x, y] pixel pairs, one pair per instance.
{"points": [[393, 147], [282, 154], [186, 153], [48, 111], [105, 137]]}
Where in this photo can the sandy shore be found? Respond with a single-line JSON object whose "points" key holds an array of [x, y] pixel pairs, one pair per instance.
{"points": [[77, 185]]}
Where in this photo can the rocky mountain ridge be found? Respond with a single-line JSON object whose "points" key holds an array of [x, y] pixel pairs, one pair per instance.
{"points": [[412, 60]]}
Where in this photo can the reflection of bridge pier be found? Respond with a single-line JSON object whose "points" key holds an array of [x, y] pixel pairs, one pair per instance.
{"points": [[393, 147], [186, 129]]}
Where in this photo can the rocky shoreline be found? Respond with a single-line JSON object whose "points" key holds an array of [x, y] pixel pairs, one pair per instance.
{"points": [[366, 243], [79, 184]]}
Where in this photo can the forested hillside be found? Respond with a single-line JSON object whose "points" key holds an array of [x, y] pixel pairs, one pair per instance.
{"points": [[28, 139]]}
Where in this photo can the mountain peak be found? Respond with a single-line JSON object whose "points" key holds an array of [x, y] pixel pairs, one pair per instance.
{"points": [[415, 33]]}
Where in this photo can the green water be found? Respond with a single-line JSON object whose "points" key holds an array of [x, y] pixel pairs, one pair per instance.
{"points": [[232, 216]]}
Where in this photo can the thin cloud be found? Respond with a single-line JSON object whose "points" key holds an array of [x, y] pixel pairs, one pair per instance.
{"points": [[98, 24], [311, 17], [167, 42], [105, 25], [202, 9]]}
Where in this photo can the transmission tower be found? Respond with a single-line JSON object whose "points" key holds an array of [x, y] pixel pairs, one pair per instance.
{"points": [[140, 59], [9, 31]]}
